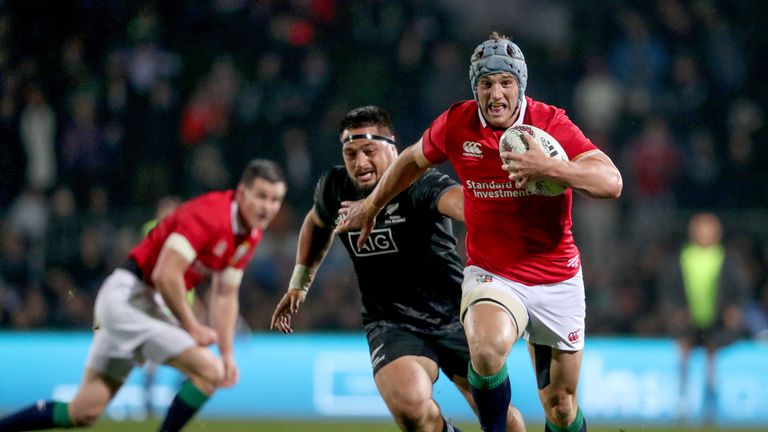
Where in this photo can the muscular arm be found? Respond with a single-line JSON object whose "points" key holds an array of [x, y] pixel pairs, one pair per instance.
{"points": [[168, 279], [314, 241], [224, 307], [592, 174]]}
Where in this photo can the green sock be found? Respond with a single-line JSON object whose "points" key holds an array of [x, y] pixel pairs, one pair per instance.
{"points": [[191, 395], [486, 382], [575, 426], [61, 415]]}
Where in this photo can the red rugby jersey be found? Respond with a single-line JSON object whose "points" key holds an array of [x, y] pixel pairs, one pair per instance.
{"points": [[210, 225], [526, 238]]}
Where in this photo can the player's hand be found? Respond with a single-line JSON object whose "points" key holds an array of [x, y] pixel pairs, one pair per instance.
{"points": [[357, 215], [522, 167], [231, 371], [288, 305], [202, 334]]}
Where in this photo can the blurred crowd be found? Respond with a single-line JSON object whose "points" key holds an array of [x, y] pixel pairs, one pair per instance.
{"points": [[108, 107]]}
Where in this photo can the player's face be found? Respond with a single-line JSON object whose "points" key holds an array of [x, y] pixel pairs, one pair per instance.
{"points": [[365, 159], [497, 97], [260, 202]]}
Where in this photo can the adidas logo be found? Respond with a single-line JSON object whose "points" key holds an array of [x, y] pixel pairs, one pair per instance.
{"points": [[472, 149]]}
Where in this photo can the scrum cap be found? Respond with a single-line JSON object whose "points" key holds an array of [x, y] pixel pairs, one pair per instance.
{"points": [[496, 55]]}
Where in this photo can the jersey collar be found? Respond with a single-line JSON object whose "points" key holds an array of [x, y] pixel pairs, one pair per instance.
{"points": [[237, 227], [520, 116]]}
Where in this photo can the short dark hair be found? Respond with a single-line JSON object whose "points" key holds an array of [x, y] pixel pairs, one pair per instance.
{"points": [[262, 168], [370, 115]]}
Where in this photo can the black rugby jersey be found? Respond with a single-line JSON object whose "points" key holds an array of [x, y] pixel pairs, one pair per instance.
{"points": [[408, 271]]}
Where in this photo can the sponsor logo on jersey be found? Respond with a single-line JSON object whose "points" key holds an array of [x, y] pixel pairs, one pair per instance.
{"points": [[393, 218], [472, 149], [240, 252], [376, 360], [575, 336], [220, 248], [573, 262], [380, 241], [484, 278]]}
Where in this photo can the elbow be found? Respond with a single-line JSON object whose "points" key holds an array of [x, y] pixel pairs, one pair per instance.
{"points": [[159, 278], [614, 187], [609, 189]]}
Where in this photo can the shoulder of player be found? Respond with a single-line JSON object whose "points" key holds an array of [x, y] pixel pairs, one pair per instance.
{"points": [[209, 209], [539, 113], [335, 182]]}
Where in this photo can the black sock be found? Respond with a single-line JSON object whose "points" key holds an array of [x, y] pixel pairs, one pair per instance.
{"points": [[184, 406], [492, 396], [42, 415]]}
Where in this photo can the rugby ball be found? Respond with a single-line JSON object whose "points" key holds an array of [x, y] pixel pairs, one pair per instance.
{"points": [[512, 141]]}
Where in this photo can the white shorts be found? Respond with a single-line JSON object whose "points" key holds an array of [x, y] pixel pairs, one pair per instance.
{"points": [[551, 314], [132, 326]]}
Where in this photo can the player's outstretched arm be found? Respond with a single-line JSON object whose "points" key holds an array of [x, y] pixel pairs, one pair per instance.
{"points": [[314, 241], [408, 167]]}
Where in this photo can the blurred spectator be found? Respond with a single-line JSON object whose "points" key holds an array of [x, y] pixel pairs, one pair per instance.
{"points": [[703, 289], [37, 125], [654, 166]]}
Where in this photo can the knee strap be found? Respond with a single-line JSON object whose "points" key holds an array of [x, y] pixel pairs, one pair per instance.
{"points": [[542, 355]]}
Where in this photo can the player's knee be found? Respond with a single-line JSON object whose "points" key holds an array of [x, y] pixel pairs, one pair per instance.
{"points": [[411, 408], [209, 375], [488, 358], [560, 406]]}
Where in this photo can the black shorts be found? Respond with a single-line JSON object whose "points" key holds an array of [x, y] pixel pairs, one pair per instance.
{"points": [[388, 341], [713, 338]]}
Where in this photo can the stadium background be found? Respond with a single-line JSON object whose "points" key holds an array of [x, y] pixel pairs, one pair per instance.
{"points": [[108, 106]]}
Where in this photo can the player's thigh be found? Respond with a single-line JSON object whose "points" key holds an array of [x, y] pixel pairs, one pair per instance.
{"points": [[407, 381], [482, 290], [403, 362]]}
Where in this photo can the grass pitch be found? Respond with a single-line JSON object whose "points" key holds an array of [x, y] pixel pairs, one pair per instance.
{"points": [[350, 426]]}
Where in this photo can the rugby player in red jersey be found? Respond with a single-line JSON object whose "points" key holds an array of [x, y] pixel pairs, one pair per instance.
{"points": [[211, 236], [523, 275], [412, 322]]}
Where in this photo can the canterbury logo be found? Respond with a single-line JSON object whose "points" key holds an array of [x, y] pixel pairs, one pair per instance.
{"points": [[574, 336], [472, 148]]}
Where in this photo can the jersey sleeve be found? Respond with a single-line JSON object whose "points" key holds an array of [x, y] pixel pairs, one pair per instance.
{"points": [[431, 186], [433, 141], [326, 204], [570, 137]]}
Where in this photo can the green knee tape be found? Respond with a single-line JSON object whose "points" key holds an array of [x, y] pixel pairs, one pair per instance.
{"points": [[191, 395], [61, 415], [489, 382]]}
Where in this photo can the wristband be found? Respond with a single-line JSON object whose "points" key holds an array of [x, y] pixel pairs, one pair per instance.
{"points": [[301, 278]]}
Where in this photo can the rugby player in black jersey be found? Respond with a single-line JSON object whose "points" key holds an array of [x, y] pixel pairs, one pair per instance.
{"points": [[408, 271]]}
